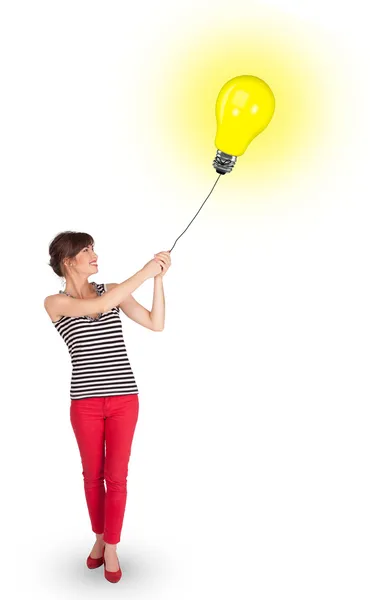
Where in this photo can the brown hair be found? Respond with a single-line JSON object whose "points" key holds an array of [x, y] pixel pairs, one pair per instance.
{"points": [[66, 245]]}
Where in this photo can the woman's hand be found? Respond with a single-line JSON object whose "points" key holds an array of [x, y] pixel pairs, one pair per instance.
{"points": [[164, 259]]}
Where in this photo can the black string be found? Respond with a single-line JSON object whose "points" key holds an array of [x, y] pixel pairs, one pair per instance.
{"points": [[198, 211]]}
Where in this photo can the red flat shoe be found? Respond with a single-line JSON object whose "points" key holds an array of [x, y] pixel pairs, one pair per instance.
{"points": [[112, 576], [94, 563]]}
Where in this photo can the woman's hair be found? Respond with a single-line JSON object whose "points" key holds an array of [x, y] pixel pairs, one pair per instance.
{"points": [[66, 245]]}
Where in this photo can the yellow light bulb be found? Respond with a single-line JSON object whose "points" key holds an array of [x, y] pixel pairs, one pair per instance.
{"points": [[244, 107]]}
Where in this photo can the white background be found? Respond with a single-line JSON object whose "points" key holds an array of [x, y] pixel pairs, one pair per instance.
{"points": [[249, 473]]}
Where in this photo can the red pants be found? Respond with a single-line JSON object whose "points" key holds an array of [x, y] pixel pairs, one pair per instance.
{"points": [[110, 420]]}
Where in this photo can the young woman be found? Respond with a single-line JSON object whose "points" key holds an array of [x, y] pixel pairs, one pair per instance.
{"points": [[104, 395]]}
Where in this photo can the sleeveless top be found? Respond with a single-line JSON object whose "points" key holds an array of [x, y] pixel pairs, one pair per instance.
{"points": [[100, 365]]}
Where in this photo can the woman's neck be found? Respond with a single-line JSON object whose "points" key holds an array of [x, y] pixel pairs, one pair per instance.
{"points": [[78, 290]]}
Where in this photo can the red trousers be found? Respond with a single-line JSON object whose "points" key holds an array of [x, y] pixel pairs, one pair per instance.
{"points": [[109, 421]]}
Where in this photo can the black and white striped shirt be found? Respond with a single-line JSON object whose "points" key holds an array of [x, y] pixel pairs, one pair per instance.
{"points": [[100, 365]]}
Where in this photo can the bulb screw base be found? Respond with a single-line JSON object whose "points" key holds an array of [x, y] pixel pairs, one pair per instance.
{"points": [[223, 163]]}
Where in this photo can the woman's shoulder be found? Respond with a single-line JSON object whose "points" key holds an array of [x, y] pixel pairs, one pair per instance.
{"points": [[50, 306]]}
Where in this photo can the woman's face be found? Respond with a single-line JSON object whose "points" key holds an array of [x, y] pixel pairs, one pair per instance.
{"points": [[85, 262]]}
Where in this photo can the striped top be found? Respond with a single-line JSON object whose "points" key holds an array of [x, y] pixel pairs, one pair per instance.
{"points": [[100, 365]]}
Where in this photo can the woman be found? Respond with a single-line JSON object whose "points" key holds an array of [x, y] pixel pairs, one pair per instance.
{"points": [[104, 395]]}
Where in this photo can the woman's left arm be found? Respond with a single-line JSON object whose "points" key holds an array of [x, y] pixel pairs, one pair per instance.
{"points": [[157, 314]]}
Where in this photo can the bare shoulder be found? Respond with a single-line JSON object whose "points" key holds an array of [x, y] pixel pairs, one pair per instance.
{"points": [[49, 304]]}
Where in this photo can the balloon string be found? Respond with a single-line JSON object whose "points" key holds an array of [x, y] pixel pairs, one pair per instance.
{"points": [[198, 211]]}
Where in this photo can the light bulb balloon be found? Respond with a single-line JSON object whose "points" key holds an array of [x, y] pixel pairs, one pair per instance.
{"points": [[244, 107]]}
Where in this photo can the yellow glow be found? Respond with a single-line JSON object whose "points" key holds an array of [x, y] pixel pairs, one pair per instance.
{"points": [[237, 128], [288, 55]]}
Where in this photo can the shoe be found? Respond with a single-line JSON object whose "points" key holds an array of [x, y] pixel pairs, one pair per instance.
{"points": [[94, 563], [112, 576]]}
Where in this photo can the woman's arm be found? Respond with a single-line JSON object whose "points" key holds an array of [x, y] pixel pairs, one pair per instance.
{"points": [[120, 291], [158, 307], [141, 315], [59, 305]]}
